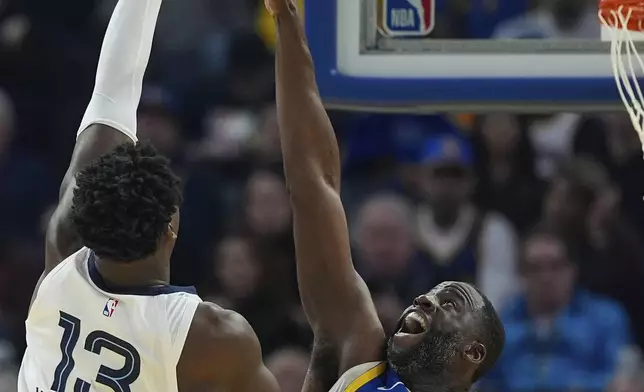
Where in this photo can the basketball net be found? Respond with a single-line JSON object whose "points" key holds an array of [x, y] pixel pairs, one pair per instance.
{"points": [[623, 48]]}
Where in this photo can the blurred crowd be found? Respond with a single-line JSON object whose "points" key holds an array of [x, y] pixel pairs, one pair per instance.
{"points": [[543, 212]]}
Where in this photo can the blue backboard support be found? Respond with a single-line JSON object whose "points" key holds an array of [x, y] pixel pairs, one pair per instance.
{"points": [[351, 77]]}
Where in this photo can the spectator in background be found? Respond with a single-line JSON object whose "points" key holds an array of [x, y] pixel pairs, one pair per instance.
{"points": [[553, 138], [226, 134], [381, 152], [265, 145], [222, 155], [457, 240], [582, 205], [369, 154], [631, 385], [215, 181], [267, 223], [614, 143], [558, 337], [267, 210], [237, 271], [384, 247], [571, 195], [554, 19], [630, 374], [507, 179], [289, 366], [241, 283], [247, 82], [22, 199], [158, 123]]}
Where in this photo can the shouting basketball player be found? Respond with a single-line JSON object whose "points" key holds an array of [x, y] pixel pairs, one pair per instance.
{"points": [[103, 316], [446, 340]]}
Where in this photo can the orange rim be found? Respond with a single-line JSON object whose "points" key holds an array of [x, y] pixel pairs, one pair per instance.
{"points": [[636, 7]]}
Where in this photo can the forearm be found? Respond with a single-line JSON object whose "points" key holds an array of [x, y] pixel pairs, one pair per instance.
{"points": [[309, 146], [336, 300], [124, 57], [110, 118], [312, 168]]}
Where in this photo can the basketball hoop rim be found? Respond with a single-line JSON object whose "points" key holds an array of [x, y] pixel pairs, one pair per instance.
{"points": [[625, 19], [608, 9]]}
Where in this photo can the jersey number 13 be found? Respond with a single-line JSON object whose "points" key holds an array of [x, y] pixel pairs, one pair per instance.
{"points": [[118, 380]]}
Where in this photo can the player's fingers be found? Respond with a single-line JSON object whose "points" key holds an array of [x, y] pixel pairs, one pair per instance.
{"points": [[275, 7], [269, 6]]}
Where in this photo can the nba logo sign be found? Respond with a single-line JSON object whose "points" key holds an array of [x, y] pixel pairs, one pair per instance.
{"points": [[406, 18], [110, 307]]}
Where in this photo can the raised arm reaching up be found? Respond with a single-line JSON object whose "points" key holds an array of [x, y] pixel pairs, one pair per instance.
{"points": [[336, 300], [446, 340], [110, 118], [199, 346]]}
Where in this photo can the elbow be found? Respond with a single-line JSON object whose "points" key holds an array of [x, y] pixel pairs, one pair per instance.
{"points": [[60, 235], [310, 171], [305, 189]]}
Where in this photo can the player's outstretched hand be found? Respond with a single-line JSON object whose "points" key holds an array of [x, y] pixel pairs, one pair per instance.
{"points": [[277, 7]]}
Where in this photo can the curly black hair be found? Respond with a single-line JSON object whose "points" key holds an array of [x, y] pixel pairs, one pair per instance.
{"points": [[124, 201]]}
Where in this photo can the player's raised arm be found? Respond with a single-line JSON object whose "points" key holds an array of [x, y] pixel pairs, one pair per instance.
{"points": [[110, 118], [336, 300]]}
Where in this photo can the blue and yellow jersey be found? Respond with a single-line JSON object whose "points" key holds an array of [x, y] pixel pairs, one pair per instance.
{"points": [[369, 377]]}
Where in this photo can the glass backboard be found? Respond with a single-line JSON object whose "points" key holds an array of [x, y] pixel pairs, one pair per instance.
{"points": [[434, 55]]}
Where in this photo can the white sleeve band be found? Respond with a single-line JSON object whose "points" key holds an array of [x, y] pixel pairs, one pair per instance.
{"points": [[121, 66]]}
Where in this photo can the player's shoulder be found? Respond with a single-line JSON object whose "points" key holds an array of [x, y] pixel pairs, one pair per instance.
{"points": [[212, 322], [61, 270], [219, 341], [365, 377]]}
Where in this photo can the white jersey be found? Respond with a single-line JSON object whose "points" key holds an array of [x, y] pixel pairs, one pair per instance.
{"points": [[82, 337]]}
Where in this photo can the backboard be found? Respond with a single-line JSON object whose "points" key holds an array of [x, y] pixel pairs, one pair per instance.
{"points": [[399, 55]]}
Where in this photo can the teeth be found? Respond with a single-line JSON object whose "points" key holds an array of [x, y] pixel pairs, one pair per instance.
{"points": [[416, 317]]}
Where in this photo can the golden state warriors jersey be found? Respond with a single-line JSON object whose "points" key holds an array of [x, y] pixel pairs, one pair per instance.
{"points": [[84, 337], [369, 377]]}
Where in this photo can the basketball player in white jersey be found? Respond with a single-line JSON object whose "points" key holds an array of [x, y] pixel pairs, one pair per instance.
{"points": [[445, 341], [103, 317]]}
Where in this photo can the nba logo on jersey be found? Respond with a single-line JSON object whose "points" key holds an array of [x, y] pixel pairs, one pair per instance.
{"points": [[110, 307], [406, 18]]}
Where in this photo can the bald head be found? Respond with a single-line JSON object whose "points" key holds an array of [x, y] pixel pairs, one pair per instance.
{"points": [[381, 207], [383, 233], [451, 334]]}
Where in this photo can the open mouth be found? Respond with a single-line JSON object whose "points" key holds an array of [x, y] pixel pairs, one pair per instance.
{"points": [[414, 323]]}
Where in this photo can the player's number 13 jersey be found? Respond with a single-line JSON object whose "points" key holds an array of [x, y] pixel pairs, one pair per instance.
{"points": [[82, 338]]}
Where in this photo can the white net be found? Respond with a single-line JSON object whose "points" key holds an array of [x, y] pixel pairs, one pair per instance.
{"points": [[627, 63]]}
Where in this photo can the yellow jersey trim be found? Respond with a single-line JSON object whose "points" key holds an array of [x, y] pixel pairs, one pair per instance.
{"points": [[367, 376]]}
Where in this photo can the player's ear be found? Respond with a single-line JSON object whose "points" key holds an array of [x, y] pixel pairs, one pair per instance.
{"points": [[171, 232], [475, 352]]}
